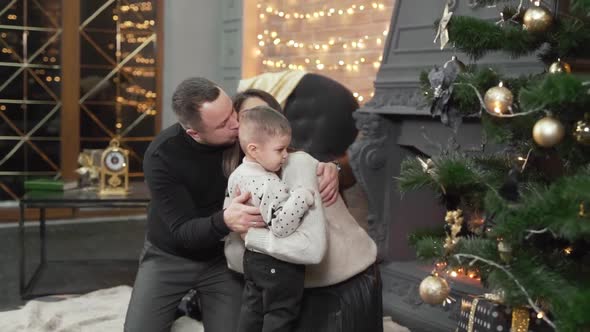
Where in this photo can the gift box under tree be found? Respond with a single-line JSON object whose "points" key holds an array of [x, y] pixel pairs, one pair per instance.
{"points": [[479, 314]]}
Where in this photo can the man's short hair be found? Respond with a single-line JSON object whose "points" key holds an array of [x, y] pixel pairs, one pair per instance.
{"points": [[188, 98], [261, 122]]}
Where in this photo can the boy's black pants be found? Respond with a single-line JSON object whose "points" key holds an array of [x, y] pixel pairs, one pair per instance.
{"points": [[272, 294]]}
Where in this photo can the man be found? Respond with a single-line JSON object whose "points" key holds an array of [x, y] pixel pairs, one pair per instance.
{"points": [[186, 224]]}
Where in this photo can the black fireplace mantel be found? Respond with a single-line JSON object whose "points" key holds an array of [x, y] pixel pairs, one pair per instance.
{"points": [[396, 124]]}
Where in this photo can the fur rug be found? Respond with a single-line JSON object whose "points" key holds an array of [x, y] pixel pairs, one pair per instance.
{"points": [[102, 310]]}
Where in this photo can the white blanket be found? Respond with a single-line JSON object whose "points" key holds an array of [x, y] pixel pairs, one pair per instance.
{"points": [[99, 311]]}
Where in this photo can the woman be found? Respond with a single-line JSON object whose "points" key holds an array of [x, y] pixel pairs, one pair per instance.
{"points": [[343, 292]]}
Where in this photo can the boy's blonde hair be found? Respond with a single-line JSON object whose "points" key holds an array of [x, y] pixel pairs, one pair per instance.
{"points": [[260, 123]]}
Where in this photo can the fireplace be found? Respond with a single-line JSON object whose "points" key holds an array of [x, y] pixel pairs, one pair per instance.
{"points": [[395, 125]]}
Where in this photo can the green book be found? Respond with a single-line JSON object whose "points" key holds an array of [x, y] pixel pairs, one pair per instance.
{"points": [[47, 184]]}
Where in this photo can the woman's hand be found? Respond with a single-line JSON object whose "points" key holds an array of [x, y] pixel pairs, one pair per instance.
{"points": [[328, 182]]}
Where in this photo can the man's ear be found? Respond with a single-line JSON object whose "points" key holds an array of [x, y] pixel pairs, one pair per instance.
{"points": [[193, 133]]}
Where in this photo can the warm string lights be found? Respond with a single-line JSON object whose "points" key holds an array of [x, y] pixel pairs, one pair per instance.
{"points": [[281, 49], [134, 33], [145, 61], [269, 11], [452, 272], [272, 37], [308, 63], [137, 7], [51, 57], [139, 91], [137, 25], [140, 106], [139, 72], [131, 39], [474, 258]]}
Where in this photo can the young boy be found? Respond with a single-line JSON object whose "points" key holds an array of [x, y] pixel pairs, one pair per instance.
{"points": [[273, 288]]}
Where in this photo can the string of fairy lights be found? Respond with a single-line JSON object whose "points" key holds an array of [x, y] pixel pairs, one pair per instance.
{"points": [[351, 55], [317, 14]]}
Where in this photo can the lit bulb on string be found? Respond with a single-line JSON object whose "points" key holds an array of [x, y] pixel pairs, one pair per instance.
{"points": [[279, 43], [498, 99], [325, 12]]}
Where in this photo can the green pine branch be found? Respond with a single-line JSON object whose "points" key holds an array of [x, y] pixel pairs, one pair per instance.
{"points": [[555, 207], [581, 6], [558, 286], [452, 175], [569, 37], [476, 38], [413, 177], [545, 283], [556, 93], [546, 219], [464, 99], [429, 249], [569, 40], [509, 131]]}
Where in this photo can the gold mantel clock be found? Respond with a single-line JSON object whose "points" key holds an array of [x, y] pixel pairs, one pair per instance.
{"points": [[114, 170]]}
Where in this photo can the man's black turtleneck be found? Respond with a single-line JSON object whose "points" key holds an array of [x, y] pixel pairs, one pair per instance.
{"points": [[187, 186]]}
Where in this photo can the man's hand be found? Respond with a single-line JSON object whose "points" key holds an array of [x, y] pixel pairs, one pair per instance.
{"points": [[328, 181], [239, 217]]}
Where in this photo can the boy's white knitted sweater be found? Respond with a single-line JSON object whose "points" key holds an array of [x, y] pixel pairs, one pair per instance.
{"points": [[349, 249], [281, 207], [306, 245]]}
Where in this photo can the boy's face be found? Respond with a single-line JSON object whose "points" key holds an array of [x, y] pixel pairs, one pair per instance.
{"points": [[272, 152]]}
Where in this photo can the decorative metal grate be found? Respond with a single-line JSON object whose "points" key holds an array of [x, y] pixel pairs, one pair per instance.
{"points": [[29, 92], [118, 84], [118, 75]]}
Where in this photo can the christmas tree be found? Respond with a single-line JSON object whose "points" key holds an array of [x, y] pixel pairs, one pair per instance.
{"points": [[518, 211]]}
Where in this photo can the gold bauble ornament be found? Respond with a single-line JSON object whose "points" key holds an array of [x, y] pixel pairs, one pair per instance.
{"points": [[548, 132], [505, 251], [434, 290], [498, 99], [560, 67], [582, 131], [537, 19]]}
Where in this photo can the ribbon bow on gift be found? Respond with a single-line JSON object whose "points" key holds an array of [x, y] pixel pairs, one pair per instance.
{"points": [[88, 169], [443, 32]]}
